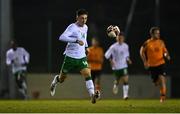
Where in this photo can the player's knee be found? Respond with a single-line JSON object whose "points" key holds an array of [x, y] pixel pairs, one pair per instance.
{"points": [[86, 72], [125, 83], [116, 82]]}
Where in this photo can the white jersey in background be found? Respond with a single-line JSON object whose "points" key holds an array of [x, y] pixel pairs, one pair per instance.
{"points": [[72, 33], [119, 54], [19, 57]]}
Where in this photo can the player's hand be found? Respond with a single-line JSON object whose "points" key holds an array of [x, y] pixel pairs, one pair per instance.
{"points": [[129, 61], [146, 65], [112, 63], [81, 43], [166, 55], [25, 64]]}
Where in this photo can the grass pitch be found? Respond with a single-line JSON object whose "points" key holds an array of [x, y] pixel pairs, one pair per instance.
{"points": [[84, 106]]}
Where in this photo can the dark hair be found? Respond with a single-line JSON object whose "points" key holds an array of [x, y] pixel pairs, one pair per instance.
{"points": [[121, 34], [153, 29], [14, 41], [81, 12]]}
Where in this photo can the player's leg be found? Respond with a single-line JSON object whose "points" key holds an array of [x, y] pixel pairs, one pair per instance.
{"points": [[66, 67], [93, 76], [24, 83], [116, 81], [158, 75], [125, 87], [86, 73], [21, 83], [162, 78], [125, 79], [162, 88], [97, 84]]}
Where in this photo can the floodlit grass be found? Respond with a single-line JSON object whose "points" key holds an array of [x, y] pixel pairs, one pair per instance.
{"points": [[84, 106]]}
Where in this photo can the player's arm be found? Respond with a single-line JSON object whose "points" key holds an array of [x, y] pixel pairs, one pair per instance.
{"points": [[67, 36], [26, 56], [9, 59], [108, 55], [165, 52], [128, 55], [143, 55], [102, 57]]}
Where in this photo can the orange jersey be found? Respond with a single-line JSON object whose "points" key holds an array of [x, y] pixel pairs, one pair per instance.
{"points": [[95, 57], [154, 51]]}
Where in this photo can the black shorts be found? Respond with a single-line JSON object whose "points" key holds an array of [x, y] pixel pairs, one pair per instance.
{"points": [[95, 74], [156, 71]]}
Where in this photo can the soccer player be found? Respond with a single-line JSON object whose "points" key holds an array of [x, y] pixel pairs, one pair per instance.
{"points": [[75, 57], [153, 53], [118, 55], [18, 58], [95, 60]]}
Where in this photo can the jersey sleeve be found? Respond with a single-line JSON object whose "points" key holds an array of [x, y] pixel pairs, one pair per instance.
{"points": [[86, 44], [26, 55], [9, 58], [164, 47], [108, 53], [127, 51], [67, 35]]}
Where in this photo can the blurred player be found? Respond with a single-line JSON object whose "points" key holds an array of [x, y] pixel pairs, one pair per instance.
{"points": [[153, 53], [118, 55], [75, 57], [18, 58], [95, 59]]}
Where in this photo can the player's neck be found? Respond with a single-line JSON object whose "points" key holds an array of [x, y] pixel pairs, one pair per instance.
{"points": [[79, 25], [95, 46], [120, 43], [154, 38], [14, 48]]}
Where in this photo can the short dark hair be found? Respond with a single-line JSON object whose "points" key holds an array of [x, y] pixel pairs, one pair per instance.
{"points": [[81, 12], [153, 29], [121, 34]]}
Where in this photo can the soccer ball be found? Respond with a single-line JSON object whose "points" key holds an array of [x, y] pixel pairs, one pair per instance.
{"points": [[112, 31], [112, 34]]}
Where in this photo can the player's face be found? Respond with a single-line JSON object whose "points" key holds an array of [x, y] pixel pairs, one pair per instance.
{"points": [[120, 39], [95, 42], [82, 19], [13, 45], [156, 34]]}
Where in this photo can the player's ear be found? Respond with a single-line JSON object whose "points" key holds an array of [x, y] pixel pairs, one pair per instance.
{"points": [[76, 17]]}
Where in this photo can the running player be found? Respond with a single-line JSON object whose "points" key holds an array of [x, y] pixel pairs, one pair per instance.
{"points": [[95, 59], [75, 57], [18, 58], [153, 53], [118, 55]]}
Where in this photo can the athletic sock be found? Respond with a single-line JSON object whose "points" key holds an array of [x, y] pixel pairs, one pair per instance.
{"points": [[97, 86], [125, 90], [89, 85], [163, 91]]}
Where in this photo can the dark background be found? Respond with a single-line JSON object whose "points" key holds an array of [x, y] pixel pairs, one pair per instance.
{"points": [[31, 18], [30, 25]]}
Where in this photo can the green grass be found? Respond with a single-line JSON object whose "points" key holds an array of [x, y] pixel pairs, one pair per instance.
{"points": [[77, 106]]}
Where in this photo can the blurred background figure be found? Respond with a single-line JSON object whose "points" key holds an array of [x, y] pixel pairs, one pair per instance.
{"points": [[95, 58], [17, 59], [118, 55], [154, 53]]}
